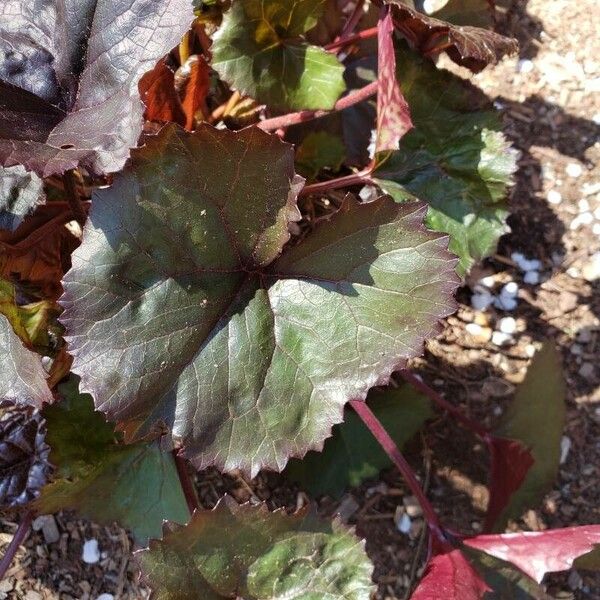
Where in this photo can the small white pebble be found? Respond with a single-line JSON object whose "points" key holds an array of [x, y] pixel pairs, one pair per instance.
{"points": [[525, 66], [404, 524], [565, 446], [573, 272], [597, 213], [505, 303], [488, 281], [586, 218], [530, 350], [532, 265], [583, 205], [510, 290], [596, 118], [90, 554], [531, 277], [500, 339], [574, 170], [497, 410], [517, 257], [554, 197], [473, 329], [507, 325], [481, 301], [596, 228], [105, 597]]}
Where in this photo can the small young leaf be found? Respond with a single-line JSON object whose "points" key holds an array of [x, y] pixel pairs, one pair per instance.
{"points": [[24, 463], [352, 454], [135, 485], [37, 253], [246, 551], [168, 100], [539, 399], [456, 159], [20, 193], [248, 363], [319, 150], [539, 552], [68, 85], [30, 321], [470, 47], [23, 379], [258, 49], [393, 113]]}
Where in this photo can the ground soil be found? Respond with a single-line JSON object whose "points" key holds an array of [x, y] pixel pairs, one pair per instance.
{"points": [[551, 108]]}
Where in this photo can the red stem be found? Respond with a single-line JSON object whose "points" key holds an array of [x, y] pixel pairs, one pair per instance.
{"points": [[186, 483], [308, 115], [353, 21], [357, 37], [363, 176], [422, 387], [17, 540], [390, 448]]}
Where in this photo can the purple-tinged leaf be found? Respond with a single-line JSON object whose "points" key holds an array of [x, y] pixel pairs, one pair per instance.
{"points": [[539, 552], [246, 551], [470, 47], [539, 399], [22, 376], [69, 77], [450, 576], [393, 113], [510, 463], [24, 464], [467, 573], [178, 313]]}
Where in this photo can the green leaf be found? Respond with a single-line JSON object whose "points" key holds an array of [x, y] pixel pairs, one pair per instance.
{"points": [[456, 159], [536, 418], [29, 321], [246, 551], [353, 455], [259, 50], [20, 193], [319, 150], [135, 485], [174, 316], [22, 376]]}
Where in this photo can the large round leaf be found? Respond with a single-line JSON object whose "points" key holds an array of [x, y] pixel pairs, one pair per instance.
{"points": [[174, 315]]}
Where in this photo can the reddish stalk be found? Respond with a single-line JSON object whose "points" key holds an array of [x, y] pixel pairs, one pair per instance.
{"points": [[390, 448], [357, 37], [353, 21], [308, 115], [361, 177], [17, 540], [422, 387], [186, 483]]}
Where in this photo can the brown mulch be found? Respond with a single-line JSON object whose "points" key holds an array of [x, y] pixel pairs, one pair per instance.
{"points": [[549, 105]]}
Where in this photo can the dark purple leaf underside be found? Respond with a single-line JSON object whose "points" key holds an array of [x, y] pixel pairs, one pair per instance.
{"points": [[511, 462], [539, 552]]}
